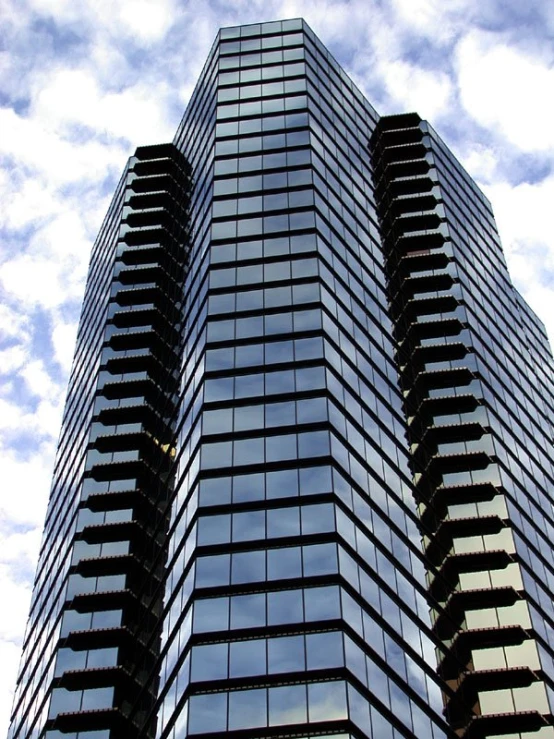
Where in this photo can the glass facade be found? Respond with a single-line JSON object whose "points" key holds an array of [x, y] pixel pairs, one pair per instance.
{"points": [[303, 480]]}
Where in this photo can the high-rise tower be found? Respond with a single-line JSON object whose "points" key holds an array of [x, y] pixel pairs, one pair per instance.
{"points": [[304, 482]]}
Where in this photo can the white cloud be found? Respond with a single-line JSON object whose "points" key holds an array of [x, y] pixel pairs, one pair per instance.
{"points": [[73, 96], [523, 214], [413, 88], [63, 339], [507, 90]]}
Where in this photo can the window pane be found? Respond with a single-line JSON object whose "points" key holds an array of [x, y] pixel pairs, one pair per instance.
{"points": [[284, 563], [322, 603], [285, 607], [248, 567], [248, 658], [208, 713], [249, 525], [209, 662], [248, 611], [327, 701], [211, 614], [247, 709], [286, 654], [324, 650], [287, 705]]}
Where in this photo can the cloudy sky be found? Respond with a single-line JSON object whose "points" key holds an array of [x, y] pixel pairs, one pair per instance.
{"points": [[83, 82]]}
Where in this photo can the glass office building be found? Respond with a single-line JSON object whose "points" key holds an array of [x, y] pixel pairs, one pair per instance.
{"points": [[305, 478]]}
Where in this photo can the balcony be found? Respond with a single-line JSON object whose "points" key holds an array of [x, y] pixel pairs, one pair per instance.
{"points": [[137, 413], [441, 541], [94, 720], [121, 531], [443, 496], [445, 351], [443, 379], [95, 677], [404, 152], [431, 329], [441, 464], [418, 260], [454, 565], [122, 500], [417, 240], [426, 306], [448, 622], [426, 283], [464, 642], [472, 682], [105, 600], [447, 433], [116, 636], [497, 724], [114, 565], [149, 363]]}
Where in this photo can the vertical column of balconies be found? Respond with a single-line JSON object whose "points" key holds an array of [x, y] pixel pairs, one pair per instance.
{"points": [[113, 599], [467, 541]]}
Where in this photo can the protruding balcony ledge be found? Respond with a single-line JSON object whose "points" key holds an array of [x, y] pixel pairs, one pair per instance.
{"points": [[106, 532], [496, 724], [455, 564], [157, 166], [157, 199], [156, 215], [418, 260], [445, 405], [139, 412], [459, 707], [121, 500], [135, 317], [115, 565], [398, 136], [442, 351], [140, 295], [410, 203], [151, 253], [151, 183], [404, 225], [453, 432], [425, 306], [93, 677], [402, 168], [449, 620], [118, 442], [430, 329], [399, 121], [124, 470], [438, 497], [132, 388], [148, 443], [412, 285], [102, 718], [149, 235], [459, 654], [115, 636], [451, 528], [440, 464], [410, 186], [402, 152], [423, 239], [149, 319], [102, 601], [147, 339], [139, 362], [137, 275]]}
